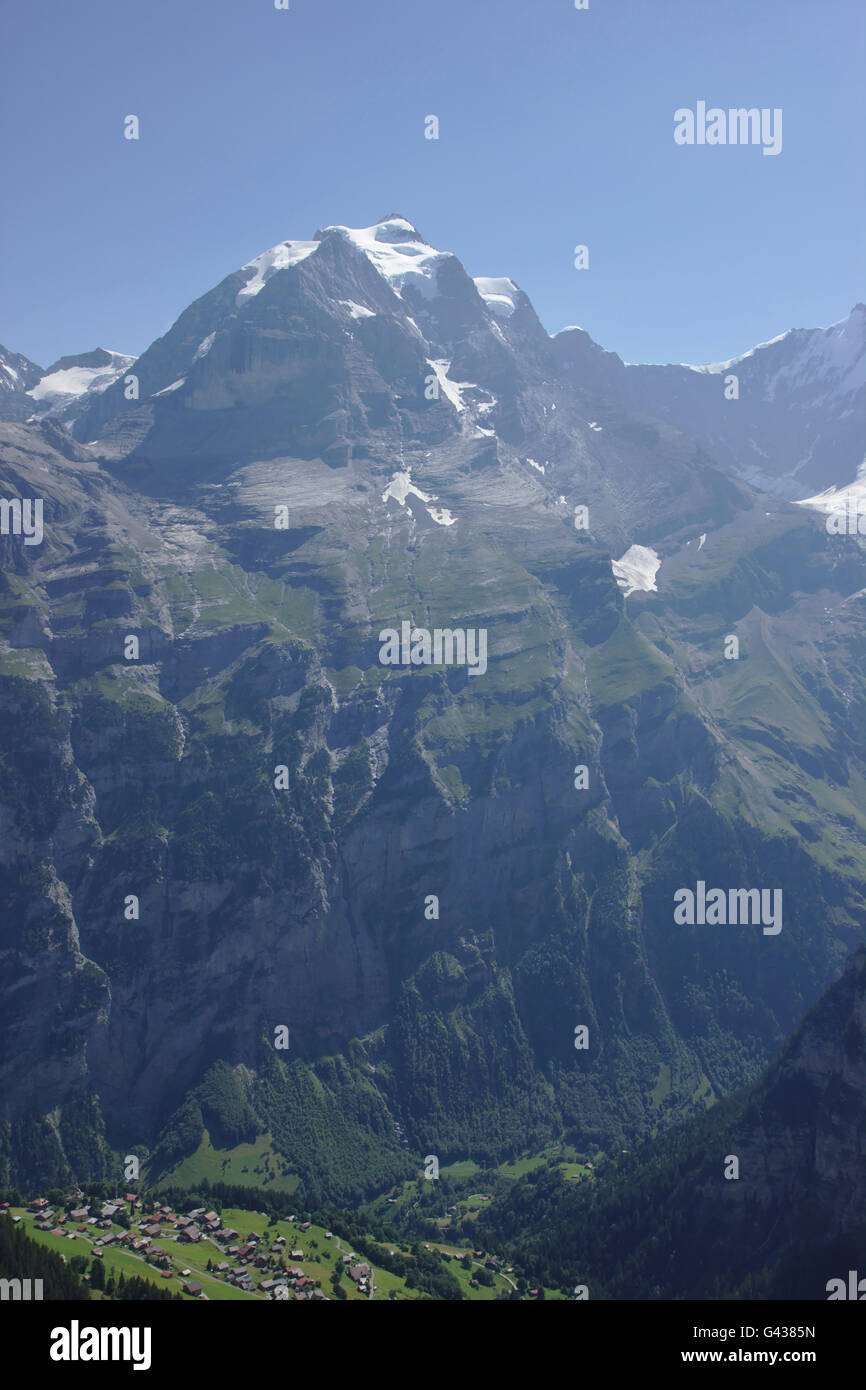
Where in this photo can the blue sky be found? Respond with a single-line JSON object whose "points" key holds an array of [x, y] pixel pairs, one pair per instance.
{"points": [[556, 128]]}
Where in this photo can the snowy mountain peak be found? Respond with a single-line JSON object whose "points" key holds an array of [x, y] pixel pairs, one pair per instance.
{"points": [[396, 228], [71, 379], [396, 250], [261, 268]]}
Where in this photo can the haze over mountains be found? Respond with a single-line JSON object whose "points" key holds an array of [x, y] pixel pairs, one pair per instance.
{"points": [[427, 895]]}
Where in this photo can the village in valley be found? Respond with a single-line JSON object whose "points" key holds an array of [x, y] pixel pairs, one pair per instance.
{"points": [[235, 1253]]}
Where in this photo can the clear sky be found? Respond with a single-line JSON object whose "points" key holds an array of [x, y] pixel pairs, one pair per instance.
{"points": [[556, 128]]}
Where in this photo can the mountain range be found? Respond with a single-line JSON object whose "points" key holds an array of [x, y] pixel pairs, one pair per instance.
{"points": [[243, 820]]}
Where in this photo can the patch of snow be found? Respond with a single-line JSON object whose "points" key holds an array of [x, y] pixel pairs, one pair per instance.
{"points": [[637, 569], [173, 387], [498, 294], [538, 466], [850, 499], [701, 541], [358, 311], [593, 426], [262, 267], [451, 389], [401, 487], [204, 347], [77, 381]]}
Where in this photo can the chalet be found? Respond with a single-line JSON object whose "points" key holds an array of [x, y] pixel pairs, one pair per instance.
{"points": [[192, 1287], [280, 1240], [110, 1210], [305, 1225], [210, 1218], [57, 1231], [38, 1204], [199, 1211], [233, 1250], [267, 1284], [190, 1235], [329, 1235], [317, 1294], [359, 1272], [297, 1254], [182, 1222], [80, 1214], [223, 1266]]}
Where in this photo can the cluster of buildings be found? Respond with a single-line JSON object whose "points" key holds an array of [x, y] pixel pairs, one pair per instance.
{"points": [[240, 1259]]}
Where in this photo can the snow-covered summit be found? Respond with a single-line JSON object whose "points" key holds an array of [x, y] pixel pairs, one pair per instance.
{"points": [[397, 251], [834, 355], [262, 267], [70, 381]]}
